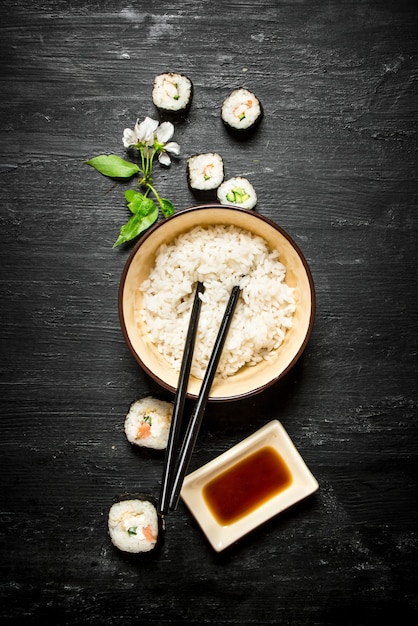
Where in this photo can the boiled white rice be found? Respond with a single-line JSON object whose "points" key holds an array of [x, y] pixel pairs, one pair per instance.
{"points": [[220, 257], [172, 92], [241, 110], [237, 191], [133, 525], [148, 422], [205, 172]]}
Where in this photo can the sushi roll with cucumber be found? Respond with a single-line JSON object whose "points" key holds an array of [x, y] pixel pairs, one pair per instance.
{"points": [[241, 111], [148, 422], [172, 93], [134, 525], [205, 172], [237, 191]]}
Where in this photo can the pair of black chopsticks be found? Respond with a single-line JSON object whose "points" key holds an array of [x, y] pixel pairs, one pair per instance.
{"points": [[175, 467]]}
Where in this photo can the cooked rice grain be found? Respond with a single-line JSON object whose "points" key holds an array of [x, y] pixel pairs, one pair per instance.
{"points": [[219, 256]]}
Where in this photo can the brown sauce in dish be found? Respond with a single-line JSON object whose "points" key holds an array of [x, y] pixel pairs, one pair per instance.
{"points": [[246, 485]]}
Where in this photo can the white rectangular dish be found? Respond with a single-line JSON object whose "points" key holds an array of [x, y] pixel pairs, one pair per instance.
{"points": [[194, 493]]}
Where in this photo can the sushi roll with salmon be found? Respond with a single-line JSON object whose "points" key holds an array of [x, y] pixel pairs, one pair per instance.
{"points": [[148, 421], [241, 111], [205, 172], [172, 93], [237, 191], [134, 525]]}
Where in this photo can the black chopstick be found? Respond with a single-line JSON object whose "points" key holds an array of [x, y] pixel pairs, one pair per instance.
{"points": [[179, 401], [197, 415]]}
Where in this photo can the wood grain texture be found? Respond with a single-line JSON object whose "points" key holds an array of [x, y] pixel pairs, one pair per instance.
{"points": [[334, 162]]}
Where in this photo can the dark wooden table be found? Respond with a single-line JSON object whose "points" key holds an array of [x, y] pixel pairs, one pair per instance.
{"points": [[334, 162]]}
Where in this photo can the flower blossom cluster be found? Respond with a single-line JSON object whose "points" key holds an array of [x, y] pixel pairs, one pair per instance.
{"points": [[152, 138]]}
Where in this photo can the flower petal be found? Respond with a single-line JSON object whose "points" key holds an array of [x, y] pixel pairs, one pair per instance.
{"points": [[146, 130], [164, 159], [164, 132], [129, 137], [172, 147]]}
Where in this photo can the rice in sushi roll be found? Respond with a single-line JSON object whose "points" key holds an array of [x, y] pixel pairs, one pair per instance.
{"points": [[148, 423], [237, 191], [134, 525], [172, 93], [205, 172], [241, 110]]}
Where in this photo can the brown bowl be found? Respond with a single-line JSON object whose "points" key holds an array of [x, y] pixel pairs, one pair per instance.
{"points": [[248, 380]]}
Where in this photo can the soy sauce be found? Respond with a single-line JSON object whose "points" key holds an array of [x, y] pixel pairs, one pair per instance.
{"points": [[246, 485]]}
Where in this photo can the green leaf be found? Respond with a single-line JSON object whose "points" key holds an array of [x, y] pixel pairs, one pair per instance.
{"points": [[113, 166], [167, 207], [142, 219], [143, 204], [137, 201], [130, 194]]}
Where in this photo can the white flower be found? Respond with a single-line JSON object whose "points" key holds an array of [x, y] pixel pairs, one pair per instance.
{"points": [[146, 131], [129, 137], [164, 132], [142, 133], [173, 148], [149, 135], [163, 135]]}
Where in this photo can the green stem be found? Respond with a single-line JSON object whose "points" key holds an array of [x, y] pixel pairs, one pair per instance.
{"points": [[151, 162], [154, 191], [143, 161], [147, 163], [146, 180]]}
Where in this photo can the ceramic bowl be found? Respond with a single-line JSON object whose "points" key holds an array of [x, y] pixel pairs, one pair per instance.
{"points": [[248, 380], [288, 483]]}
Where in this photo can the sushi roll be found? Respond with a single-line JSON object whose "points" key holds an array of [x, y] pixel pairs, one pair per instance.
{"points": [[148, 421], [237, 191], [241, 111], [134, 525], [205, 172], [172, 93]]}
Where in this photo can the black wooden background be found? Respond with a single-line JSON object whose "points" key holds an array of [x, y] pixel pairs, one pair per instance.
{"points": [[334, 162]]}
